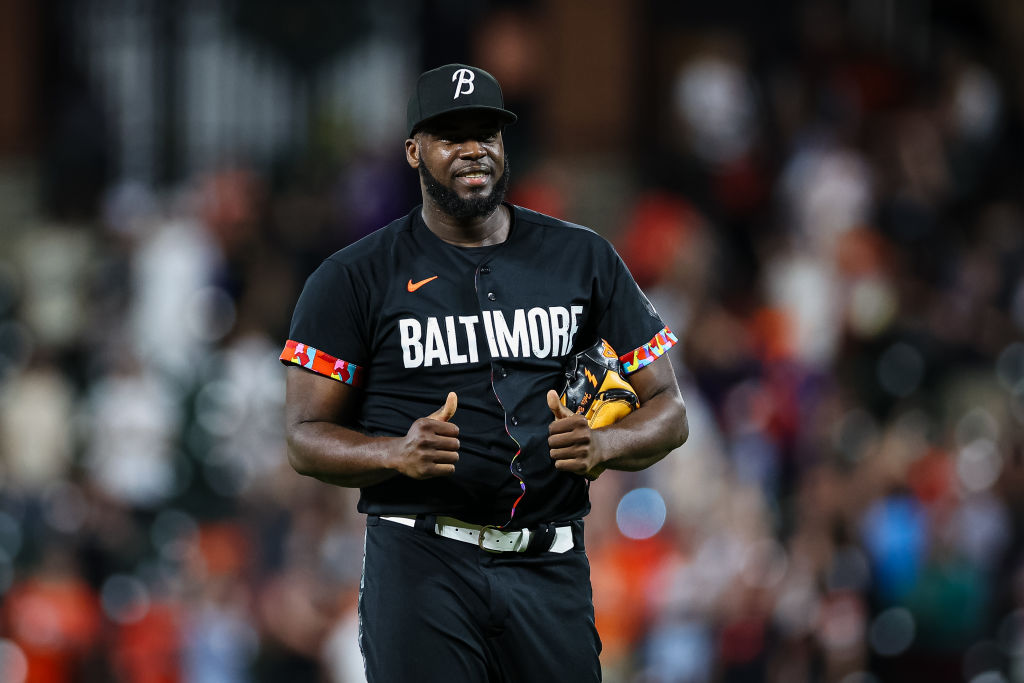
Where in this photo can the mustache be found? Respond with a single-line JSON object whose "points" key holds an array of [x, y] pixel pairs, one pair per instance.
{"points": [[462, 209]]}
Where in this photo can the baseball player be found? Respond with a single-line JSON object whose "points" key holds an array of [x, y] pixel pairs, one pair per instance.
{"points": [[424, 367]]}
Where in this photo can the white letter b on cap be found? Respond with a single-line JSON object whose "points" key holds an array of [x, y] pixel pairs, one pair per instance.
{"points": [[465, 77]]}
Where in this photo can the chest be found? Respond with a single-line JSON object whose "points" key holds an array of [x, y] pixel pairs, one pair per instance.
{"points": [[468, 308]]}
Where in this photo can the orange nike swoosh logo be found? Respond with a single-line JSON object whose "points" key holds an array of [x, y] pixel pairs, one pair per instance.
{"points": [[413, 286]]}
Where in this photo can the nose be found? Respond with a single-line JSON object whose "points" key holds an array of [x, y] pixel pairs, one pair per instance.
{"points": [[472, 149]]}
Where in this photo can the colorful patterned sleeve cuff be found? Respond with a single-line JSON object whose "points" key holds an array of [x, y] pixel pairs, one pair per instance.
{"points": [[321, 363], [649, 352]]}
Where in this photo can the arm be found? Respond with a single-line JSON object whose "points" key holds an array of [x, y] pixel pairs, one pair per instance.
{"points": [[319, 446], [635, 442]]}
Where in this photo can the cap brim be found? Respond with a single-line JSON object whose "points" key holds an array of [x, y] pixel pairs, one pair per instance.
{"points": [[504, 115]]}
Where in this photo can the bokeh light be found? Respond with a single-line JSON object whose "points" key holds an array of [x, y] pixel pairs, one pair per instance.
{"points": [[900, 369], [66, 507], [1010, 367], [13, 662], [641, 513], [172, 532], [892, 631], [854, 432], [850, 570], [125, 598], [219, 408], [210, 314], [981, 659], [989, 677], [979, 464], [977, 423], [873, 305]]}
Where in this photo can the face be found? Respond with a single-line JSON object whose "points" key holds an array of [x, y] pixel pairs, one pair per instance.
{"points": [[462, 165]]}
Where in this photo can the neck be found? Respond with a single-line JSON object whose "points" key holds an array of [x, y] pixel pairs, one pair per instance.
{"points": [[481, 231]]}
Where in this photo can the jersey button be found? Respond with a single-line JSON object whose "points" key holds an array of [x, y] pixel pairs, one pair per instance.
{"points": [[491, 296], [515, 421], [484, 270]]}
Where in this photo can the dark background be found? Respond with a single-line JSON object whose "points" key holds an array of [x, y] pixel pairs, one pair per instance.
{"points": [[821, 197]]}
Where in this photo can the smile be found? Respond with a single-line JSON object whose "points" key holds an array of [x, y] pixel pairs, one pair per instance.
{"points": [[474, 178]]}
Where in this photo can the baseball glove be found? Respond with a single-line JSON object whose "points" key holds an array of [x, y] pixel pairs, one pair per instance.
{"points": [[596, 389]]}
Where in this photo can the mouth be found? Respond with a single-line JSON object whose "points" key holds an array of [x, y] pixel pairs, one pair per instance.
{"points": [[476, 176]]}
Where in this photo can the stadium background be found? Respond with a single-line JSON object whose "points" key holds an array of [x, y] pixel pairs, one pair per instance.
{"points": [[822, 197]]}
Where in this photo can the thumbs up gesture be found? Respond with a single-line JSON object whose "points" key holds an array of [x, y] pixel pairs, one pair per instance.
{"points": [[431, 446], [574, 446], [447, 411]]}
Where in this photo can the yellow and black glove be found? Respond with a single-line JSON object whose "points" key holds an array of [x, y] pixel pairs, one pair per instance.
{"points": [[596, 389]]}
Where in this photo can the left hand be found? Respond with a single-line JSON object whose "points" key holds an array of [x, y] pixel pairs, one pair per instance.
{"points": [[575, 447]]}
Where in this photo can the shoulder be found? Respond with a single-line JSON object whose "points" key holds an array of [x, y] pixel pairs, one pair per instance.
{"points": [[542, 226]]}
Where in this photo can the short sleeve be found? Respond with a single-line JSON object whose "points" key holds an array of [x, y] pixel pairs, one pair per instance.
{"points": [[328, 333], [630, 323]]}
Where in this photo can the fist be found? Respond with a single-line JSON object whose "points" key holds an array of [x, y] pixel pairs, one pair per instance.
{"points": [[574, 446], [431, 446]]}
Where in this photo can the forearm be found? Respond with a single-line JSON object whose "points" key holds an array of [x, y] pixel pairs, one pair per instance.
{"points": [[340, 456], [646, 435]]}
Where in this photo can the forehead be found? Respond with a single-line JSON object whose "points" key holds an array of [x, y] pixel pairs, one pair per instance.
{"points": [[466, 123]]}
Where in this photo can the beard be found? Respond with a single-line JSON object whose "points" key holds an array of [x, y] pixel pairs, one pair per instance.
{"points": [[464, 209]]}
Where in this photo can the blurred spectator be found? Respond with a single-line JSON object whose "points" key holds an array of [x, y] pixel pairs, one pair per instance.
{"points": [[176, 309], [148, 649], [134, 424], [219, 640], [36, 425], [54, 617]]}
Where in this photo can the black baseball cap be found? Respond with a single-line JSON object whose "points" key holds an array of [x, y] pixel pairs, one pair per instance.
{"points": [[455, 87]]}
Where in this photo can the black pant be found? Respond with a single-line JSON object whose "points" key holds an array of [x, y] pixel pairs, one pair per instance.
{"points": [[437, 610]]}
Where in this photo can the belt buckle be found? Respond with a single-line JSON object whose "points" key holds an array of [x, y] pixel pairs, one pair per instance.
{"points": [[480, 539]]}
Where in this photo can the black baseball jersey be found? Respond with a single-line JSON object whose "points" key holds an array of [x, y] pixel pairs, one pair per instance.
{"points": [[406, 317]]}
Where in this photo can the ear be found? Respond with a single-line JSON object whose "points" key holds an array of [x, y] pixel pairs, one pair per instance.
{"points": [[412, 152]]}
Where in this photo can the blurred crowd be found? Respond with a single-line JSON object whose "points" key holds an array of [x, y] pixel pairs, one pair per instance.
{"points": [[835, 234]]}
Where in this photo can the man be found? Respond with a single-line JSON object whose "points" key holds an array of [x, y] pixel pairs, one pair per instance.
{"points": [[424, 363]]}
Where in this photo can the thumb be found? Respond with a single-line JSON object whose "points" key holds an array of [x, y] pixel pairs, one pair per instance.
{"points": [[557, 409], [445, 413]]}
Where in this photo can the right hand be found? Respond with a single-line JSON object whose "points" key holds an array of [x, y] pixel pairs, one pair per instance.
{"points": [[431, 446]]}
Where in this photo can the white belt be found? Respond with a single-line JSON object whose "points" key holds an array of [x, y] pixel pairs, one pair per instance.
{"points": [[489, 537]]}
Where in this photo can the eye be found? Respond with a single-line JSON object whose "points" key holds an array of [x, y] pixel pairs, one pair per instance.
{"points": [[442, 136]]}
